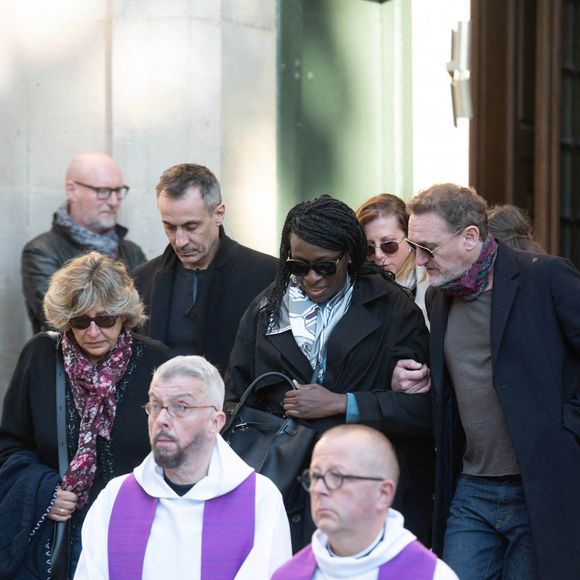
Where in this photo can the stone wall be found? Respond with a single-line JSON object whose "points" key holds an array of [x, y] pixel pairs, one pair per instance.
{"points": [[152, 84]]}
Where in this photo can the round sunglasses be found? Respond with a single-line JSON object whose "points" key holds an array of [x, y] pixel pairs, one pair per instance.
{"points": [[102, 321], [387, 247]]}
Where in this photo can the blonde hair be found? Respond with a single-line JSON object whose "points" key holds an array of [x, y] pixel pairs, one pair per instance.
{"points": [[87, 280]]}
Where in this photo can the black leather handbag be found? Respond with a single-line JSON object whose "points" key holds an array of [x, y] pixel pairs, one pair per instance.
{"points": [[277, 447]]}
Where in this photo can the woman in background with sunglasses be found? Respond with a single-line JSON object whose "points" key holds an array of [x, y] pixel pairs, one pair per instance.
{"points": [[94, 305], [337, 325], [385, 221]]}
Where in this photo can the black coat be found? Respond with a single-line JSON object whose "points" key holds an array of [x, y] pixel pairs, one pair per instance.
{"points": [[381, 326], [234, 277], [535, 342], [28, 426], [45, 254]]}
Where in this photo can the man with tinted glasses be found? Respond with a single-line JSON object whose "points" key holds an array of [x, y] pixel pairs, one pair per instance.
{"points": [[196, 292], [352, 481], [192, 509], [505, 367], [86, 221]]}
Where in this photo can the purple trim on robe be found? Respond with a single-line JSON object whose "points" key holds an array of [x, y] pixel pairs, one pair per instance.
{"points": [[129, 528], [228, 531], [413, 562], [227, 535], [302, 565]]}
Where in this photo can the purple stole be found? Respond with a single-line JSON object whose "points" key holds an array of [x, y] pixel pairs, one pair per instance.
{"points": [[413, 562], [227, 535]]}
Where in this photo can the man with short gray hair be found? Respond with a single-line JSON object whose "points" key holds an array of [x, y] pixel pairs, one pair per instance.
{"points": [[505, 367], [193, 508], [196, 292]]}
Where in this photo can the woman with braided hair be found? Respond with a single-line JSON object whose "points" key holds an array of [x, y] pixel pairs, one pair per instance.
{"points": [[350, 338]]}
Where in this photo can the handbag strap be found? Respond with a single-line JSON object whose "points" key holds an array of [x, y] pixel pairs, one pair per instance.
{"points": [[249, 391], [251, 388], [60, 408], [59, 562]]}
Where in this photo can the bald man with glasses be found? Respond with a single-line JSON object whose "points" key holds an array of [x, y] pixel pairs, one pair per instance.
{"points": [[86, 221], [352, 480]]}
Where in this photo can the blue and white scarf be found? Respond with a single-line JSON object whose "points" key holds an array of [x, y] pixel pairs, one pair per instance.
{"points": [[312, 323]]}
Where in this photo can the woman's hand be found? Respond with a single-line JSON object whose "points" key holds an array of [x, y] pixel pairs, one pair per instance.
{"points": [[64, 505], [411, 377], [313, 401]]}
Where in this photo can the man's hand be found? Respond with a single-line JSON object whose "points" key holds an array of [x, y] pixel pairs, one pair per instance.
{"points": [[313, 401], [411, 377]]}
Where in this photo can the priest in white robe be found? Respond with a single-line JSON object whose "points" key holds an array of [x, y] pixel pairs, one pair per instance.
{"points": [[193, 509], [352, 481]]}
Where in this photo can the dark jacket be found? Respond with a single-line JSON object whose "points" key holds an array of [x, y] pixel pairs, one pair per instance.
{"points": [[382, 326], [535, 342], [27, 488], [29, 425], [45, 254], [234, 277]]}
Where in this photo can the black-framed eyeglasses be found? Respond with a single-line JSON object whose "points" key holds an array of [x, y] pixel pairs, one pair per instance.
{"points": [[430, 252], [102, 321], [387, 247], [321, 267], [332, 480], [174, 408], [106, 192]]}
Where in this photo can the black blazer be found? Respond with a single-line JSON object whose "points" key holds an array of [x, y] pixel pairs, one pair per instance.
{"points": [[382, 326]]}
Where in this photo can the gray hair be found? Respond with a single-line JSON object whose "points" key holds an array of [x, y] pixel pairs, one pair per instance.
{"points": [[194, 366], [87, 280], [178, 179], [458, 206]]}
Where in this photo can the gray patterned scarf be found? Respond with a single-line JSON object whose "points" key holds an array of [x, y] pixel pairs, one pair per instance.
{"points": [[106, 243], [312, 323]]}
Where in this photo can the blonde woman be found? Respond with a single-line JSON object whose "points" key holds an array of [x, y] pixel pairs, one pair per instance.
{"points": [[93, 304], [385, 220]]}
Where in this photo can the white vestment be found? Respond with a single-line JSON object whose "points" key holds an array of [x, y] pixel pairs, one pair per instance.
{"points": [[174, 546], [366, 567]]}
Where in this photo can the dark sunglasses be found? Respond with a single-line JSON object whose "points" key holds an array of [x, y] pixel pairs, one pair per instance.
{"points": [[388, 247], [430, 252], [321, 267], [103, 321]]}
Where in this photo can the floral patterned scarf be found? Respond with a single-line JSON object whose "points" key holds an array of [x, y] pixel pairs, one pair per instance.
{"points": [[93, 388]]}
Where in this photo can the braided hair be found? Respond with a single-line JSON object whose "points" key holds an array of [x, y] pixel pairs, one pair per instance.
{"points": [[327, 223]]}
